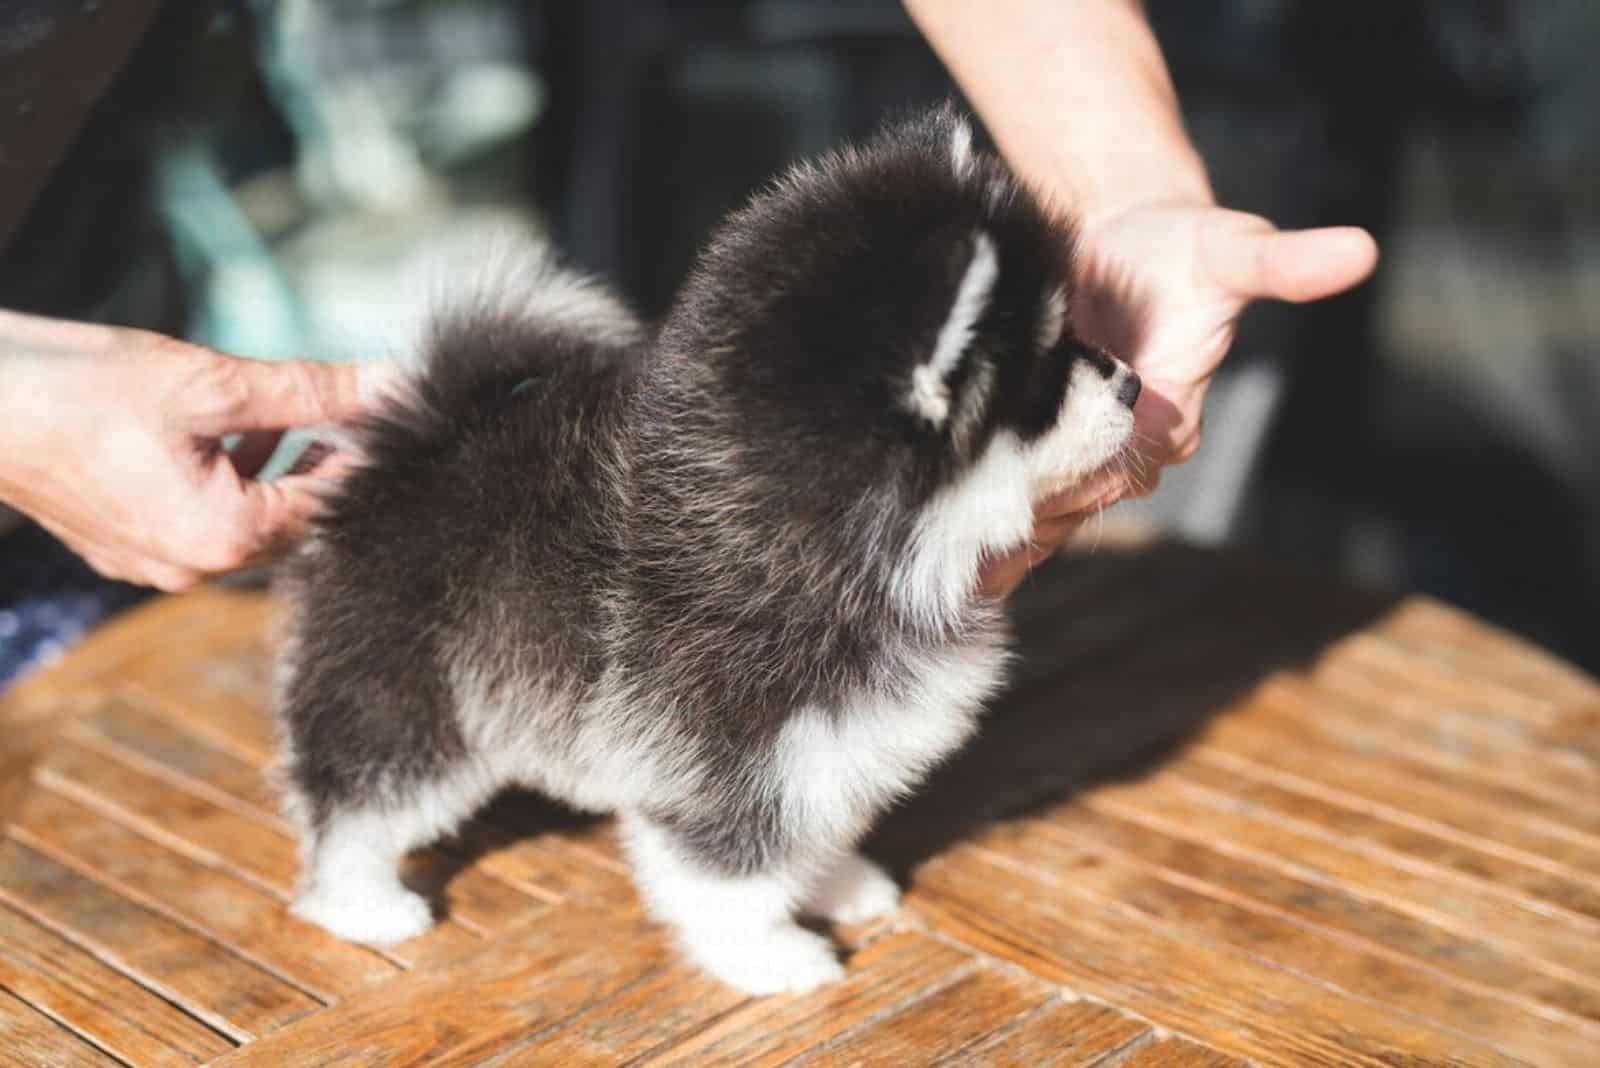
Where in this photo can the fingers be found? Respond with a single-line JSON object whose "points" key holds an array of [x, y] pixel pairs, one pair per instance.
{"points": [[1247, 257], [280, 511], [258, 395]]}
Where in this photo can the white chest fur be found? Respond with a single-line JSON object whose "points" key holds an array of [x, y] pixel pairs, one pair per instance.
{"points": [[837, 770]]}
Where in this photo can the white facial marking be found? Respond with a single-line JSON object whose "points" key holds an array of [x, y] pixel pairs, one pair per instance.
{"points": [[989, 510], [1092, 427], [1053, 319], [930, 395], [961, 148]]}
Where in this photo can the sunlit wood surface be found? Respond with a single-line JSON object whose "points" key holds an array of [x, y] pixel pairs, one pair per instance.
{"points": [[1225, 815]]}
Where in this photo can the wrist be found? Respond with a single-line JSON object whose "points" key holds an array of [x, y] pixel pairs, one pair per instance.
{"points": [[1078, 98], [1172, 175]]}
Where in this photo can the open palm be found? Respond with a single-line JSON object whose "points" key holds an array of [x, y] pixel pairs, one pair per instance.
{"points": [[1162, 285]]}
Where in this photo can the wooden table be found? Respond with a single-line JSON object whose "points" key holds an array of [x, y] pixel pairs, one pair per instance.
{"points": [[1225, 815]]}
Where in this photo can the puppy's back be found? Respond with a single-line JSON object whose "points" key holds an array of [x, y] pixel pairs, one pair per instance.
{"points": [[469, 541]]}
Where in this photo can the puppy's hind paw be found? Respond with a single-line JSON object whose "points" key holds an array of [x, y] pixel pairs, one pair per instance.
{"points": [[853, 891], [379, 919], [785, 959]]}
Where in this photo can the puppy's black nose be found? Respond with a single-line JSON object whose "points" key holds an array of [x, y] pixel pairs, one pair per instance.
{"points": [[1128, 392]]}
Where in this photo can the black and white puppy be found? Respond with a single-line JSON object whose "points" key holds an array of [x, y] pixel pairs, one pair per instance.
{"points": [[719, 578]]}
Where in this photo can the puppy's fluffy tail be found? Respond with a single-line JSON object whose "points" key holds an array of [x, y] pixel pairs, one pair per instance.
{"points": [[501, 315]]}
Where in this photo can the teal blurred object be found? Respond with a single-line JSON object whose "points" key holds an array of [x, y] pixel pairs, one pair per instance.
{"points": [[404, 118]]}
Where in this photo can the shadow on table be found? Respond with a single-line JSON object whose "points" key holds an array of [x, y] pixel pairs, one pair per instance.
{"points": [[1124, 653]]}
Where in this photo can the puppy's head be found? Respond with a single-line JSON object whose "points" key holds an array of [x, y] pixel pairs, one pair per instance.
{"points": [[889, 327]]}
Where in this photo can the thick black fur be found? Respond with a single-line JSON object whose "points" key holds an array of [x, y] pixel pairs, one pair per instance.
{"points": [[715, 510]]}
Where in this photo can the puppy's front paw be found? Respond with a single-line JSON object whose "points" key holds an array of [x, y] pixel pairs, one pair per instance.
{"points": [[853, 891], [783, 959], [378, 918]]}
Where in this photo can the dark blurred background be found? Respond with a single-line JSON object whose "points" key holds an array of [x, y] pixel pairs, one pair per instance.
{"points": [[262, 175]]}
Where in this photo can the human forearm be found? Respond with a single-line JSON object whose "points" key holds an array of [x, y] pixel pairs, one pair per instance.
{"points": [[1077, 95]]}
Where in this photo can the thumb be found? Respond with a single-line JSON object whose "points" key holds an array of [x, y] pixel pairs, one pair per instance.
{"points": [[262, 395], [1252, 260]]}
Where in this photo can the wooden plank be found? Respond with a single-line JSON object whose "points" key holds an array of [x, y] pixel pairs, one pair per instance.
{"points": [[1374, 667], [1468, 646], [1388, 829], [445, 940], [200, 976], [1461, 955], [508, 991], [170, 812], [29, 1039], [95, 1001], [238, 725], [1514, 817], [133, 728], [944, 1024], [30, 729], [1176, 1053], [226, 909], [467, 893], [664, 1007], [1225, 998], [1063, 1034], [769, 1031], [547, 869], [1441, 737], [218, 683], [1504, 920], [199, 827], [1060, 865]]}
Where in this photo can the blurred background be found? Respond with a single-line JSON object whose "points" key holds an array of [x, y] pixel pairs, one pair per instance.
{"points": [[261, 176]]}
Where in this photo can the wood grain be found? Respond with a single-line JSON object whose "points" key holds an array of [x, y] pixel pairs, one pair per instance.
{"points": [[30, 1039], [1454, 951], [207, 899], [1061, 866], [1300, 849], [132, 730], [1542, 766], [887, 974], [200, 976], [1390, 828], [642, 1018], [97, 1002], [199, 827], [942, 1025], [1226, 998], [1059, 1035], [1176, 1053], [1378, 844], [1500, 811], [462, 1012]]}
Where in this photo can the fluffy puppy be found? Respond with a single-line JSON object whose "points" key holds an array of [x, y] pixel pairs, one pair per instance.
{"points": [[718, 578]]}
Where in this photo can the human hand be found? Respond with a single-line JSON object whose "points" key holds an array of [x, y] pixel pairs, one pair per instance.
{"points": [[1162, 285], [112, 441]]}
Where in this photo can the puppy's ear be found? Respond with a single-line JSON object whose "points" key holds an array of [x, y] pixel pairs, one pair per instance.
{"points": [[929, 395]]}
